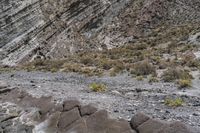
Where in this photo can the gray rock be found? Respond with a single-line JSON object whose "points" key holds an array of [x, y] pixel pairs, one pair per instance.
{"points": [[97, 122], [37, 28], [78, 126], [194, 39], [67, 118], [24, 129], [68, 105], [44, 103], [138, 119], [31, 116], [175, 127], [49, 125], [121, 126], [4, 90], [87, 110], [3, 85], [151, 126]]}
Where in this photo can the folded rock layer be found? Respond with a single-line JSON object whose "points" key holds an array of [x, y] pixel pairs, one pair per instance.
{"points": [[32, 29]]}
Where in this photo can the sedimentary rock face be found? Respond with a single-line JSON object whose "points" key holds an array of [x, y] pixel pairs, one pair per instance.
{"points": [[32, 29], [49, 28]]}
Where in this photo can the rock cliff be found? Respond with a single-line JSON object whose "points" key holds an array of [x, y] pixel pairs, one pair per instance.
{"points": [[32, 29]]}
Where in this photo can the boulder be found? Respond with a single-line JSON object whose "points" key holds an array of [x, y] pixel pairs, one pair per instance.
{"points": [[70, 104], [138, 119], [49, 125], [99, 122], [87, 110], [67, 118], [175, 127], [151, 126], [78, 126], [119, 126]]}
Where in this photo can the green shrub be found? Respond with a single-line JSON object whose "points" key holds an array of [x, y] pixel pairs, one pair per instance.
{"points": [[183, 83], [153, 79], [174, 102], [86, 60], [71, 67], [118, 67], [96, 87], [91, 71], [105, 64], [173, 74], [144, 68], [6, 69], [44, 65], [163, 64], [193, 63], [141, 46], [140, 78], [38, 63]]}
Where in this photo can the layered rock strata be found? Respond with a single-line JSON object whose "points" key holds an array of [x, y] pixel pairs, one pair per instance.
{"points": [[31, 29]]}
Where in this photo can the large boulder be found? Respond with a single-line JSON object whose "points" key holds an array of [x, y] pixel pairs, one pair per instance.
{"points": [[70, 104], [144, 124], [100, 122], [78, 126], [151, 126], [67, 118], [87, 110], [138, 119], [175, 127]]}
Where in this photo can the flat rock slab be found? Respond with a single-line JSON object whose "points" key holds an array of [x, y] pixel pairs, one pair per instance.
{"points": [[66, 118]]}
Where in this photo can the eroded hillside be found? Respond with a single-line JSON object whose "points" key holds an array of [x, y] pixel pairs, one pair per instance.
{"points": [[56, 29]]}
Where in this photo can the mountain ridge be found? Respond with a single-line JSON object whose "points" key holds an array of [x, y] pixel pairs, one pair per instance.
{"points": [[39, 29]]}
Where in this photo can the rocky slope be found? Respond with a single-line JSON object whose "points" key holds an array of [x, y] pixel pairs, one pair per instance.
{"points": [[32, 29]]}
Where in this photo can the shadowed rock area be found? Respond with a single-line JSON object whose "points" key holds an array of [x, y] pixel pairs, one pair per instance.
{"points": [[21, 112]]}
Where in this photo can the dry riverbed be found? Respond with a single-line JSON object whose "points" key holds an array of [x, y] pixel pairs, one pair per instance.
{"points": [[124, 97]]}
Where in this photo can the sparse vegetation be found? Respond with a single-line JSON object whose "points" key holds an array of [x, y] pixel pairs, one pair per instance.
{"points": [[153, 79], [144, 68], [193, 63], [140, 78], [159, 50], [97, 87], [6, 69], [44, 65], [183, 83], [174, 102], [173, 74]]}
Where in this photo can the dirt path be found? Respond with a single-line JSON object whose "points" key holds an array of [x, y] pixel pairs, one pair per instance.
{"points": [[124, 96]]}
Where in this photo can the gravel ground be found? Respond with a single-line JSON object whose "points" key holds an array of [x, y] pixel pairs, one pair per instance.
{"points": [[124, 97]]}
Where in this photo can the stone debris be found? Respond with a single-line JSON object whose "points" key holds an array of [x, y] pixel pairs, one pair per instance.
{"points": [[42, 115]]}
